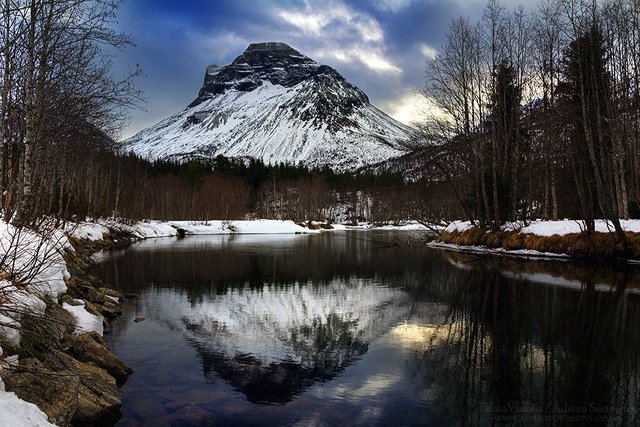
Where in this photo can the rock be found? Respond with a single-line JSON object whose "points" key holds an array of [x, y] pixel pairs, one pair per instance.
{"points": [[130, 296], [66, 298], [90, 347], [90, 293], [109, 311], [43, 331], [30, 362], [111, 292], [91, 308], [55, 393], [139, 319], [98, 397], [61, 321], [99, 301]]}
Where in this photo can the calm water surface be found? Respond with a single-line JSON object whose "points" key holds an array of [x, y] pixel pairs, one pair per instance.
{"points": [[357, 328]]}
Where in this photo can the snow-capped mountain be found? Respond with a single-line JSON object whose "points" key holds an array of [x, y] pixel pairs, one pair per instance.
{"points": [[275, 104]]}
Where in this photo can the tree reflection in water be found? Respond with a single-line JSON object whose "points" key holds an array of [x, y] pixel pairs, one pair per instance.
{"points": [[522, 352]]}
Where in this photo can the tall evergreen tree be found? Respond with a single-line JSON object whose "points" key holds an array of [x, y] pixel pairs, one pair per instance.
{"points": [[588, 85]]}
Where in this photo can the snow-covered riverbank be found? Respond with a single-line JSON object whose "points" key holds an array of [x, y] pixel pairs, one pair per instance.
{"points": [[151, 229], [37, 262], [549, 228], [562, 239], [38, 290]]}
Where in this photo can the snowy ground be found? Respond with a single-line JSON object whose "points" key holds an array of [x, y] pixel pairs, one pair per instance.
{"points": [[405, 226], [151, 229]]}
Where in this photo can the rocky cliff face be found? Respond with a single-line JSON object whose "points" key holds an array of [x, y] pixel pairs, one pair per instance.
{"points": [[277, 105]]}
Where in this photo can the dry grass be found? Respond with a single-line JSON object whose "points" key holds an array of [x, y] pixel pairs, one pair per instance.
{"points": [[576, 245]]}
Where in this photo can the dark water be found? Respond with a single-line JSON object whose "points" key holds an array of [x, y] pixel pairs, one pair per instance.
{"points": [[353, 328]]}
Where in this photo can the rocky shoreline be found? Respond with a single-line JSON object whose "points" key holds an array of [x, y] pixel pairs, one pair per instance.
{"points": [[72, 378]]}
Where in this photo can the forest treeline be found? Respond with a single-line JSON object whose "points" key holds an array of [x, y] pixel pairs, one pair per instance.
{"points": [[539, 113], [96, 181], [539, 117]]}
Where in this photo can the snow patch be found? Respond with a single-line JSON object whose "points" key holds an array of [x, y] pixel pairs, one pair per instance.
{"points": [[459, 226], [263, 226], [83, 320], [16, 412], [564, 227], [88, 231]]}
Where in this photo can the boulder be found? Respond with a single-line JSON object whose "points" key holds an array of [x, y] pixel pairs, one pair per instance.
{"points": [[91, 308], [55, 393], [98, 397], [110, 308], [90, 347]]}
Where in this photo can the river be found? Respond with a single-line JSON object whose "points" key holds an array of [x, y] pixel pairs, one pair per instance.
{"points": [[362, 328]]}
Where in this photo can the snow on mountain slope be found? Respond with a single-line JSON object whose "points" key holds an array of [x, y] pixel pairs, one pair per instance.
{"points": [[275, 104]]}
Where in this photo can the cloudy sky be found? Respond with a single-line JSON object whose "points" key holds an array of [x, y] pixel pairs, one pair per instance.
{"points": [[378, 45]]}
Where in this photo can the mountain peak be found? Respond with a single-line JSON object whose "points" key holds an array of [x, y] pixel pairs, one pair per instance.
{"points": [[275, 62], [270, 46], [273, 54]]}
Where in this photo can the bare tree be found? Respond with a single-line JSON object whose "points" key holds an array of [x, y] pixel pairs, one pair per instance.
{"points": [[56, 80]]}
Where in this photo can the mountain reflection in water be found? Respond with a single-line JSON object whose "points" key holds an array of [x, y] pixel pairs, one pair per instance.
{"points": [[274, 341], [340, 328]]}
